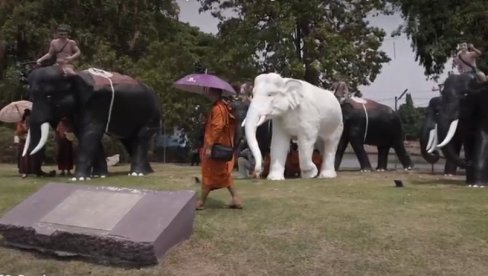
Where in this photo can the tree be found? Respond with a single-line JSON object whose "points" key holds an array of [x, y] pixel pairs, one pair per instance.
{"points": [[143, 39], [315, 40], [411, 118], [436, 27]]}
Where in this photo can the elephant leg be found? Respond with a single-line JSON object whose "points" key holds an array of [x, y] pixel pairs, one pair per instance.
{"points": [[341, 148], [469, 152], [87, 149], [100, 163], [329, 152], [403, 155], [139, 153], [358, 147], [382, 158], [480, 164], [280, 145], [305, 151], [450, 168]]}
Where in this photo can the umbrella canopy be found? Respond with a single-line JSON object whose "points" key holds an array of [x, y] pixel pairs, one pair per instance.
{"points": [[12, 113], [199, 83]]}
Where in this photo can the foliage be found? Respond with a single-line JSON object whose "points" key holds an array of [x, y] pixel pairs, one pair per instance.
{"points": [[436, 27], [411, 118], [319, 41], [143, 39]]}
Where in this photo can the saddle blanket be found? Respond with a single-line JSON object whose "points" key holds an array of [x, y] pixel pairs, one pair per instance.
{"points": [[100, 78]]}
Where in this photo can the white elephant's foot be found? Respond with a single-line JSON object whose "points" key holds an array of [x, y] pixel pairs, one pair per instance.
{"points": [[310, 173], [380, 170], [135, 174], [81, 178], [408, 168], [98, 176], [275, 176], [328, 174], [365, 171]]}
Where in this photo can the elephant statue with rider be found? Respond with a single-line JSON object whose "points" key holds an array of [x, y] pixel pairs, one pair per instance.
{"points": [[298, 110], [428, 137], [367, 122], [97, 102], [463, 111]]}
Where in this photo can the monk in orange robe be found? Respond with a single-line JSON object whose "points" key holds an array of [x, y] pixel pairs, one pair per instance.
{"points": [[292, 165], [219, 129]]}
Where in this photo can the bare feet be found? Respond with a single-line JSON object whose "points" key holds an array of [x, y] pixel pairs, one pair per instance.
{"points": [[235, 203]]}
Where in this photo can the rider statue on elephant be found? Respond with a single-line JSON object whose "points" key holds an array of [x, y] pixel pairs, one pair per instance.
{"points": [[465, 61]]}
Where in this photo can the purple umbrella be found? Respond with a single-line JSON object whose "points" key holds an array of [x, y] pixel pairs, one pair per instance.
{"points": [[199, 83]]}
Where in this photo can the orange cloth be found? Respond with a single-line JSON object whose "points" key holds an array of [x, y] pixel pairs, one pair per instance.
{"points": [[292, 165], [220, 128], [21, 129], [266, 165], [317, 160]]}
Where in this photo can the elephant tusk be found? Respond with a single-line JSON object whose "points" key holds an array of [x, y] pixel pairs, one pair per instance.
{"points": [[432, 143], [243, 122], [262, 119], [450, 133], [27, 142], [43, 140]]}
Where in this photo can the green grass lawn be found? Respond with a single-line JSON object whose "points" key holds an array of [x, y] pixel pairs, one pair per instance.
{"points": [[356, 224]]}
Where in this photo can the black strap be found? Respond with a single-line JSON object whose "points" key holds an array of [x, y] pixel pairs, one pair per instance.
{"points": [[470, 66], [62, 48]]}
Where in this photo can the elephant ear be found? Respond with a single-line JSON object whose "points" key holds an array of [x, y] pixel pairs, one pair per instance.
{"points": [[341, 91], [294, 92], [81, 87]]}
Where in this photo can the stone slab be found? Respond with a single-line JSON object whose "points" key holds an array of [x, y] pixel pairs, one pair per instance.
{"points": [[107, 224]]}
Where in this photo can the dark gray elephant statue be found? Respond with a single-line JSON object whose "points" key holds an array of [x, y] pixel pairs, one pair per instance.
{"points": [[98, 103], [368, 122], [463, 109], [428, 137]]}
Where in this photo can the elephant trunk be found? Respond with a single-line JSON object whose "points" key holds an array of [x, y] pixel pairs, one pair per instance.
{"points": [[448, 148], [251, 124], [428, 141]]}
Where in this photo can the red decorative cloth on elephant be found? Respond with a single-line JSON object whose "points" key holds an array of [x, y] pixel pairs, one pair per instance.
{"points": [[219, 129]]}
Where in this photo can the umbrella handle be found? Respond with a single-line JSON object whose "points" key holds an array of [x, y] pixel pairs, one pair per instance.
{"points": [[18, 110]]}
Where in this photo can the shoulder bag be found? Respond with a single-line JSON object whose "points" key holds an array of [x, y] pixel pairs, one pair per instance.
{"points": [[222, 152]]}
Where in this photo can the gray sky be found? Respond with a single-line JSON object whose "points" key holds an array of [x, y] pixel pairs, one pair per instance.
{"points": [[400, 73]]}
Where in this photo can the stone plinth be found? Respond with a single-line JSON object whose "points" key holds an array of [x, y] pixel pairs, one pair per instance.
{"points": [[107, 224]]}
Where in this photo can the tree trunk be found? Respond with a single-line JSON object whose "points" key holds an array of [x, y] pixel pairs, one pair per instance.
{"points": [[311, 74]]}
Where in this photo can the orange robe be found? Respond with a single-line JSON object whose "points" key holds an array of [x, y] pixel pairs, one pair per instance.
{"points": [[317, 160], [292, 165], [220, 128]]}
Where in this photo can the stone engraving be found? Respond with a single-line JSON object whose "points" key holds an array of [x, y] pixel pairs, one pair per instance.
{"points": [[92, 209]]}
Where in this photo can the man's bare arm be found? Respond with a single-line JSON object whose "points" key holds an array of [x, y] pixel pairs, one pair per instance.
{"points": [[472, 48], [77, 52], [49, 53]]}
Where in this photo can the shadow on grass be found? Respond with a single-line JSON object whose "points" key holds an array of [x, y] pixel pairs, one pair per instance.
{"points": [[440, 181]]}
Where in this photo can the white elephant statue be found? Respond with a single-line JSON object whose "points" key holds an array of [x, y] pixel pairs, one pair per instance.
{"points": [[298, 110]]}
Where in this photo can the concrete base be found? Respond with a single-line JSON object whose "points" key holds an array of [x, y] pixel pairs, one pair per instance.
{"points": [[107, 224]]}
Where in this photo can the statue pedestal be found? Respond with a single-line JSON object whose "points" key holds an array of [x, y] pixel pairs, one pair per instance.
{"points": [[106, 224]]}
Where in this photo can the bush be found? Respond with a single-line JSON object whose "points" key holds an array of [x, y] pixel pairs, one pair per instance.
{"points": [[8, 150]]}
